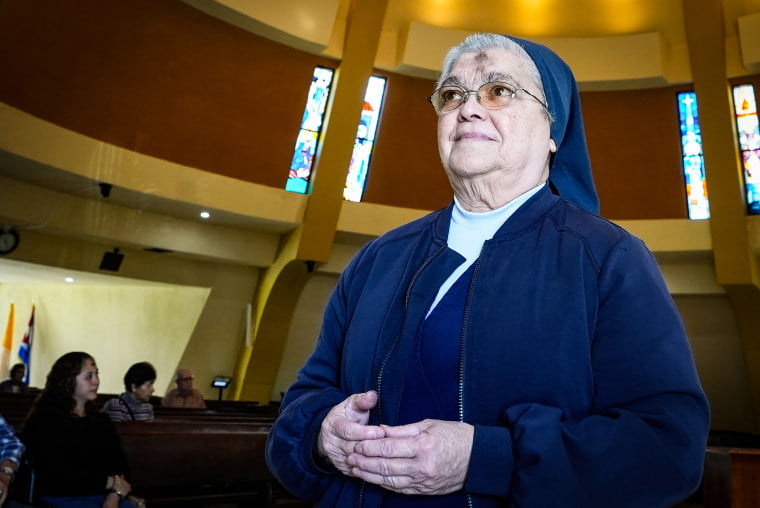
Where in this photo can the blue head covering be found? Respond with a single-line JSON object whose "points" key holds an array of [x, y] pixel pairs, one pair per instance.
{"points": [[570, 170]]}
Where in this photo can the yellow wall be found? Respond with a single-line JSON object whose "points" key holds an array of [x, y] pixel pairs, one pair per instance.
{"points": [[117, 324]]}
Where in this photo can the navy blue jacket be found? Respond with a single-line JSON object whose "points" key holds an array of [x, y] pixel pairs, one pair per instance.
{"points": [[576, 371]]}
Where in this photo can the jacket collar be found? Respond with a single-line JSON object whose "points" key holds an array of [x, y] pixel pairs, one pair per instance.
{"points": [[530, 212]]}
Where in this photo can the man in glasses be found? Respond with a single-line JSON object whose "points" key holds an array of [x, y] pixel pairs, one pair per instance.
{"points": [[512, 349], [184, 395]]}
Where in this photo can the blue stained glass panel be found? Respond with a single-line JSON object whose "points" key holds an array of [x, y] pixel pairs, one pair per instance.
{"points": [[745, 109], [693, 158], [308, 137], [303, 160]]}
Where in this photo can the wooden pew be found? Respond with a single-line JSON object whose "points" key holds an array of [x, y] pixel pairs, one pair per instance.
{"points": [[186, 457], [243, 406], [731, 478], [187, 463], [175, 413], [15, 407]]}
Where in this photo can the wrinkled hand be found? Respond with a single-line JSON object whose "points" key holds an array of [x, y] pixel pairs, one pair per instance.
{"points": [[344, 426], [121, 485], [428, 457]]}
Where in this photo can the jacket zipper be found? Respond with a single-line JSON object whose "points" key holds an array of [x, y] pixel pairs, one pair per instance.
{"points": [[379, 383], [361, 493], [407, 296], [462, 343]]}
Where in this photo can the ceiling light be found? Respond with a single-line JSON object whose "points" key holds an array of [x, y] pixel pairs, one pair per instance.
{"points": [[205, 215], [69, 279]]}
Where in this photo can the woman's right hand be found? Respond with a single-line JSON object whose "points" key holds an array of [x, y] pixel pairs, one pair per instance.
{"points": [[344, 426]]}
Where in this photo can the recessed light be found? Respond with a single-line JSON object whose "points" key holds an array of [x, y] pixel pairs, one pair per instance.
{"points": [[69, 279], [205, 215]]}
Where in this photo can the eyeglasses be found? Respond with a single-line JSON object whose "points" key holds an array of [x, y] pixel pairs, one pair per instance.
{"points": [[492, 95]]}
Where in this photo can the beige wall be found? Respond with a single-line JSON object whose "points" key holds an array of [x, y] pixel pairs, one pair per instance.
{"points": [[717, 346], [304, 330]]}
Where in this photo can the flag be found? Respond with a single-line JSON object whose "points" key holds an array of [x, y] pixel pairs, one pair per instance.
{"points": [[25, 350], [5, 354]]}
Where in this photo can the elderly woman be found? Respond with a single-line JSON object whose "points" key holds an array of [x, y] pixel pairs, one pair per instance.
{"points": [[74, 449], [512, 349], [134, 403]]}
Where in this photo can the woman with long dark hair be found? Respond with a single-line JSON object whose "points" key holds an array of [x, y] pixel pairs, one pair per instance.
{"points": [[74, 449]]}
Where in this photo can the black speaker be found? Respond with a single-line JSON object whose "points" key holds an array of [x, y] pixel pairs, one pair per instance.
{"points": [[112, 261]]}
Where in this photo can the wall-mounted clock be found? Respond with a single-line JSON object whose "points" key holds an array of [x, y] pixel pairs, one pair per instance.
{"points": [[8, 241]]}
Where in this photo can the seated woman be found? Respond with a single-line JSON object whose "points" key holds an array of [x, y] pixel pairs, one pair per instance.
{"points": [[74, 449], [134, 403]]}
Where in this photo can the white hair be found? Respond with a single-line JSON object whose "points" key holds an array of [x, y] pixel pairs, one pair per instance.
{"points": [[476, 43]]}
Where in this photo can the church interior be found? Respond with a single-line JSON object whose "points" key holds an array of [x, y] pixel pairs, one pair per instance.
{"points": [[120, 122]]}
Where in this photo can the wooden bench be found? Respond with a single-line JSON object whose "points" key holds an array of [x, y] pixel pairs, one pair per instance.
{"points": [[188, 463], [731, 478], [187, 457], [15, 407], [174, 413], [243, 406]]}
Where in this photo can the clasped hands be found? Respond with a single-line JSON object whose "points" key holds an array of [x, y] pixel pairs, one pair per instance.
{"points": [[429, 457], [119, 486]]}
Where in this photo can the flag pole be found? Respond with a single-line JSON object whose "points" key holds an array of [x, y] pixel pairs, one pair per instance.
{"points": [[5, 355]]}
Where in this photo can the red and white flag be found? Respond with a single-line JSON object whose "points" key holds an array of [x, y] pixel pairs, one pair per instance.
{"points": [[25, 350]]}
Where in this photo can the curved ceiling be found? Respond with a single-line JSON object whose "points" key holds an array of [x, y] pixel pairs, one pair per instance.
{"points": [[543, 18], [591, 35]]}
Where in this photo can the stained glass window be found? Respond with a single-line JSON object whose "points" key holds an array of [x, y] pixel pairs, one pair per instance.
{"points": [[311, 125], [693, 157], [745, 108], [365, 139]]}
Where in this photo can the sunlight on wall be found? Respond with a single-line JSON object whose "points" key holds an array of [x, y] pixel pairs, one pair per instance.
{"points": [[117, 325]]}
